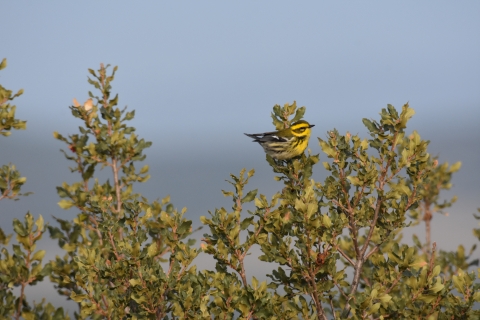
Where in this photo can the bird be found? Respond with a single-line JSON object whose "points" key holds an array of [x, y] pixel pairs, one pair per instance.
{"points": [[287, 143]]}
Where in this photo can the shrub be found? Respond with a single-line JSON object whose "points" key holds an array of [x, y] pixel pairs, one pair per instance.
{"points": [[333, 247]]}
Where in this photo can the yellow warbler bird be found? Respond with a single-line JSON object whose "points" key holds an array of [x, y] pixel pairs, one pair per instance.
{"points": [[287, 143]]}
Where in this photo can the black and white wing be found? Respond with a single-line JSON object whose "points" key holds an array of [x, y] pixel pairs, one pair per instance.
{"points": [[266, 137]]}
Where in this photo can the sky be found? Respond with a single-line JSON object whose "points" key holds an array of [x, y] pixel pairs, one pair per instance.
{"points": [[200, 74]]}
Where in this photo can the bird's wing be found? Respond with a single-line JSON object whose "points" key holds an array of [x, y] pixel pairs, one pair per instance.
{"points": [[266, 137], [253, 135]]}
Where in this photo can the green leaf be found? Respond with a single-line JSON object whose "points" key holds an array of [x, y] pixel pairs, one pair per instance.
{"points": [[4, 239], [355, 181], [364, 144], [438, 286], [246, 223], [227, 193], [370, 125], [39, 255], [459, 283], [21, 180], [47, 270], [299, 114], [152, 249], [374, 308], [326, 165], [277, 110], [186, 225], [65, 204], [3, 64], [139, 299], [3, 184], [456, 166], [476, 296], [417, 242], [89, 172], [39, 223], [19, 228], [144, 169], [254, 282], [277, 123], [28, 315], [385, 298], [259, 204], [406, 114], [135, 282], [250, 196], [392, 111], [69, 247], [329, 151], [436, 271], [78, 297], [326, 221]]}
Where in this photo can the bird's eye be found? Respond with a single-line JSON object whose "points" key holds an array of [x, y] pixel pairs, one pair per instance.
{"points": [[302, 129]]}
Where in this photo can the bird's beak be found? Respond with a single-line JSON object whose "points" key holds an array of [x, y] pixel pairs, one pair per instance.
{"points": [[312, 125]]}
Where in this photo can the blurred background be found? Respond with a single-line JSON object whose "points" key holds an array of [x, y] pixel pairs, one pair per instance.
{"points": [[200, 74]]}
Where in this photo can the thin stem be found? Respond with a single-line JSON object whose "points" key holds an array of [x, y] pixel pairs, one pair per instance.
{"points": [[345, 256], [374, 220], [104, 300], [112, 242], [333, 309], [20, 301], [7, 191], [432, 258], [375, 249], [351, 218], [117, 184], [340, 289], [314, 295], [427, 217], [93, 219], [394, 283], [24, 283]]}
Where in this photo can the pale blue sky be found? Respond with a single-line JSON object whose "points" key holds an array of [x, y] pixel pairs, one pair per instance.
{"points": [[199, 74]]}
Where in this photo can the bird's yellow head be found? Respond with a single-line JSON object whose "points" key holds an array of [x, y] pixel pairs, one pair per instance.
{"points": [[301, 129]]}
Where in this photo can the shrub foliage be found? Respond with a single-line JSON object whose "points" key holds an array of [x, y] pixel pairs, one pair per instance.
{"points": [[330, 249]]}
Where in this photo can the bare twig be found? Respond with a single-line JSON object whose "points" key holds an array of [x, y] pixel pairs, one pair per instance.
{"points": [[314, 295], [25, 282], [333, 309], [345, 256], [432, 258], [375, 249], [394, 283], [427, 217]]}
